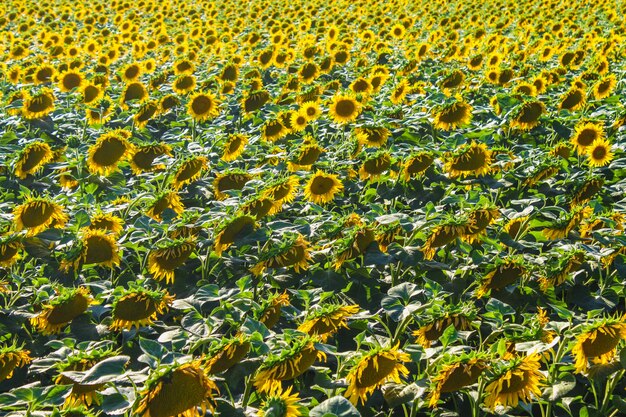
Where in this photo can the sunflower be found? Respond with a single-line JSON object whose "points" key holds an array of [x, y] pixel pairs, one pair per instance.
{"points": [[299, 121], [70, 80], [189, 171], [569, 262], [165, 200], [81, 394], [517, 380], [478, 221], [372, 136], [134, 91], [232, 229], [234, 146], [202, 106], [38, 214], [292, 362], [272, 130], [259, 207], [516, 226], [184, 84], [441, 235], [327, 320], [107, 222], [504, 273], [226, 354], [110, 148], [100, 112], [473, 158], [270, 312], [598, 342], [10, 248], [572, 100], [434, 328], [177, 391], [92, 93], [321, 188], [283, 190], [254, 100], [38, 105], [142, 159], [457, 373], [12, 357], [417, 164], [311, 109], [281, 404], [305, 156], [32, 159], [599, 153], [527, 115], [375, 368], [137, 307], [585, 135], [231, 180], [100, 248], [163, 260], [603, 88], [561, 227], [545, 170], [587, 190], [453, 115], [375, 165], [344, 108], [354, 244], [561, 149], [147, 110], [61, 310], [130, 73]]}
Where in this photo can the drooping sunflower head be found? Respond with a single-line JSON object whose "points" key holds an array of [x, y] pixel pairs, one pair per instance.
{"points": [[271, 310], [32, 159], [604, 87], [478, 219], [528, 114], [70, 80], [460, 316], [291, 251], [453, 115], [503, 273], [226, 354], [572, 100], [107, 222], [254, 100], [514, 380], [232, 229], [353, 244], [457, 372], [147, 110], [10, 247], [11, 357], [305, 156], [321, 187], [292, 361], [344, 108], [373, 369], [38, 214], [62, 309], [585, 134], [95, 247], [597, 342], [234, 146], [189, 171], [281, 404], [230, 180], [469, 159], [163, 201], [599, 153], [375, 165], [143, 157], [417, 164], [443, 233], [282, 190], [327, 320], [202, 106], [167, 256], [110, 149], [38, 105], [138, 306], [516, 226], [177, 391]]}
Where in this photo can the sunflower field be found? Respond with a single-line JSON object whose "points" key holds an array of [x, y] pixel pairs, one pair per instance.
{"points": [[284, 208]]}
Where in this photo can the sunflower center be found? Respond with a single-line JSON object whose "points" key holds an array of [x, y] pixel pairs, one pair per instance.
{"points": [[294, 255], [598, 153], [234, 144], [201, 104], [372, 375], [443, 236], [231, 355], [504, 276], [7, 251], [7, 366], [90, 93], [377, 165], [572, 100], [37, 214], [109, 152], [586, 137], [255, 101], [309, 156], [236, 228], [462, 376], [474, 159], [603, 343], [297, 365], [185, 82], [171, 258], [40, 103], [419, 164], [530, 112], [134, 308], [71, 81], [186, 389], [99, 250], [134, 91], [35, 155], [321, 185], [345, 108], [144, 158], [190, 169], [69, 310], [273, 129], [518, 381]]}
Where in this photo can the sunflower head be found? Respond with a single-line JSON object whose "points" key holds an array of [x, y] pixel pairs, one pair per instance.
{"points": [[321, 187], [457, 372], [32, 159], [226, 354], [271, 310], [528, 114], [234, 146], [138, 306], [585, 134], [108, 222], [167, 256], [354, 244], [453, 115], [597, 342], [189, 171], [344, 108], [417, 164], [143, 157], [11, 357], [110, 149], [10, 247], [231, 180], [282, 190], [38, 214], [61, 310], [373, 369], [599, 153], [327, 320], [177, 391], [281, 404], [514, 380], [202, 106], [231, 229], [163, 201], [38, 105], [443, 233], [469, 159], [503, 273], [292, 251], [573, 99]]}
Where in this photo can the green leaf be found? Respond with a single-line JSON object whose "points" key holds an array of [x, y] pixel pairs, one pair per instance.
{"points": [[336, 406], [560, 388], [108, 370]]}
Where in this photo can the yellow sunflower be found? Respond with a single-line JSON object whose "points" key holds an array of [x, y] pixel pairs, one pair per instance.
{"points": [[189, 171], [283, 191], [440, 236], [453, 115], [70, 80], [110, 149], [98, 247], [344, 108], [281, 404], [326, 321], [598, 342], [477, 222], [177, 392], [37, 215], [234, 147], [12, 357], [375, 368], [572, 100], [38, 105], [604, 87], [32, 159], [292, 252], [292, 362], [433, 330], [417, 164], [202, 106], [305, 157], [232, 180], [137, 307], [69, 304], [108, 222], [147, 110], [473, 158], [166, 200], [457, 374], [228, 353], [271, 310], [505, 272], [375, 166], [231, 230], [528, 114], [259, 207], [10, 248], [518, 380], [321, 188], [599, 153], [142, 159], [163, 261], [585, 134]]}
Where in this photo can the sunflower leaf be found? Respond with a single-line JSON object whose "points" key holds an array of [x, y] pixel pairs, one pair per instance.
{"points": [[337, 406]]}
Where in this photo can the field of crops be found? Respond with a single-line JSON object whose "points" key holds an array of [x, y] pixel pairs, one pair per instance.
{"points": [[283, 208]]}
